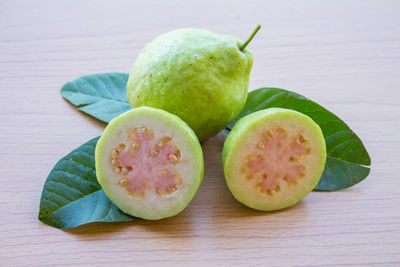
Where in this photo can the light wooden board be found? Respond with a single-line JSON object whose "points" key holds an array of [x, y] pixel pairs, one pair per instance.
{"points": [[343, 54]]}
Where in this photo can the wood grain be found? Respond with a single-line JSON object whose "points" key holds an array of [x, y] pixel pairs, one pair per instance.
{"points": [[343, 54]]}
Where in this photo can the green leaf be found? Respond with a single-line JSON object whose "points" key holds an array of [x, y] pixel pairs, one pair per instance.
{"points": [[72, 196], [347, 161], [102, 96]]}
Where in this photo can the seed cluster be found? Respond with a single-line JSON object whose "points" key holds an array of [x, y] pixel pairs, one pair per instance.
{"points": [[147, 164], [276, 160]]}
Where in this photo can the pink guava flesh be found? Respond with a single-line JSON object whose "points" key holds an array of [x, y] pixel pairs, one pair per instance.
{"points": [[277, 159], [147, 163]]}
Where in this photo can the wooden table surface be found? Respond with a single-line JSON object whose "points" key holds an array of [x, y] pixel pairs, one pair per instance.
{"points": [[343, 54]]}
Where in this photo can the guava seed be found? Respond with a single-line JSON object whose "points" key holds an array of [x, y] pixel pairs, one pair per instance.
{"points": [[154, 152], [261, 145], [135, 146], [164, 140], [121, 146], [173, 158], [123, 182]]}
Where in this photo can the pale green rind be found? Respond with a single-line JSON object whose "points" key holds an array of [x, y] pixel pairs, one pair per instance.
{"points": [[175, 123], [248, 124], [198, 75]]}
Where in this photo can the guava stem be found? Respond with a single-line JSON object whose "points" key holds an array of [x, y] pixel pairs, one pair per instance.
{"points": [[244, 45]]}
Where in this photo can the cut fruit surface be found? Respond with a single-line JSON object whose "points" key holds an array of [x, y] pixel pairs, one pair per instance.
{"points": [[273, 158], [149, 163]]}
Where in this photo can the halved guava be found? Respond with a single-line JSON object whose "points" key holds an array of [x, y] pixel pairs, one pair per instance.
{"points": [[273, 158], [149, 163]]}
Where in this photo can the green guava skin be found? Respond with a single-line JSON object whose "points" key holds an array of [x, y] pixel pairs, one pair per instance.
{"points": [[254, 122], [198, 75], [188, 139]]}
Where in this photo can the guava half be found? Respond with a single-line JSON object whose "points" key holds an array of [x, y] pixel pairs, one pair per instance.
{"points": [[273, 158], [149, 163]]}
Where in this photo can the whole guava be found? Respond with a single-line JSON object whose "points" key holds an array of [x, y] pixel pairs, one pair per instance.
{"points": [[200, 76], [149, 163], [273, 158]]}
